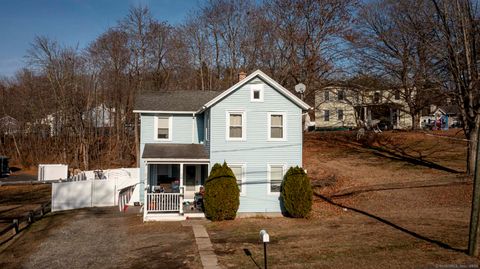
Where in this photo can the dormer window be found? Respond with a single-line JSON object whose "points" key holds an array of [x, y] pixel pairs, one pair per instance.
{"points": [[256, 94]]}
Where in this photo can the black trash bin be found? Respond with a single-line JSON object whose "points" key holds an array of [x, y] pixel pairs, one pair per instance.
{"points": [[4, 169]]}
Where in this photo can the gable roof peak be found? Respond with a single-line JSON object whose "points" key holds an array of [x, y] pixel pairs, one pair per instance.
{"points": [[268, 80]]}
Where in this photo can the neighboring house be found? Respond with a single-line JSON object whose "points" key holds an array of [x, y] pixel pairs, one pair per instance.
{"points": [[341, 107], [100, 116], [8, 125], [441, 117], [255, 126]]}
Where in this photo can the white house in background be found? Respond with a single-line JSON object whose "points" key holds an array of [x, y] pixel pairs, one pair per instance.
{"points": [[449, 114], [342, 107], [8, 125], [255, 126], [100, 116]]}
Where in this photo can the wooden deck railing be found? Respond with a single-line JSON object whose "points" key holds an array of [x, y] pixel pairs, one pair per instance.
{"points": [[163, 202]]}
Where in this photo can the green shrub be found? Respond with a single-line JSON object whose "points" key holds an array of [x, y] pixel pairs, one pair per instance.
{"points": [[222, 196], [296, 193]]}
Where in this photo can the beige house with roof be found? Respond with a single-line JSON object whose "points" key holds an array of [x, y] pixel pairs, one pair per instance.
{"points": [[341, 107]]}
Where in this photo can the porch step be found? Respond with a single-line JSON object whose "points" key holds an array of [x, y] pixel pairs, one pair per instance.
{"points": [[163, 217]]}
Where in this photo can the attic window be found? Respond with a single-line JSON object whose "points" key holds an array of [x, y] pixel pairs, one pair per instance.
{"points": [[256, 93]]}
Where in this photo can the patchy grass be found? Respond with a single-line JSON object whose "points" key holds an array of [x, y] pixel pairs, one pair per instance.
{"points": [[410, 222], [16, 201]]}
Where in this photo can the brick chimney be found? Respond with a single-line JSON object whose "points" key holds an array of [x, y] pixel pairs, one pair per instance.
{"points": [[242, 75]]}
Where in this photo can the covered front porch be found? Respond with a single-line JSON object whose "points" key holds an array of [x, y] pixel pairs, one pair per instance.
{"points": [[174, 186]]}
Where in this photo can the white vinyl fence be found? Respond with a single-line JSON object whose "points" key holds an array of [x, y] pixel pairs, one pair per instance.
{"points": [[97, 189]]}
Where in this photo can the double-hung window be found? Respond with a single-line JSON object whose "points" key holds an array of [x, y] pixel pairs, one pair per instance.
{"points": [[163, 128], [326, 95], [239, 172], [326, 115], [236, 126], [277, 126], [275, 178]]}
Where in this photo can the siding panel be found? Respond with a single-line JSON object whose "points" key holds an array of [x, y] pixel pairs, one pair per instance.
{"points": [[257, 152]]}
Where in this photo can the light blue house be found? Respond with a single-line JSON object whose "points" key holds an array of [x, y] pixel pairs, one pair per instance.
{"points": [[255, 126]]}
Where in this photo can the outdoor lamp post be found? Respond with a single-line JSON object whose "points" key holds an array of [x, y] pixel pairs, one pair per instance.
{"points": [[265, 239]]}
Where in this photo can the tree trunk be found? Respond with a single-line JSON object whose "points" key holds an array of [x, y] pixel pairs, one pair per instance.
{"points": [[415, 123], [472, 137]]}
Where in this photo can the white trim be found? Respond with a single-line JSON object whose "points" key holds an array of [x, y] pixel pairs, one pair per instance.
{"points": [[243, 192], [269, 80], [172, 160], [284, 126], [253, 89], [227, 125], [269, 165], [164, 112], [155, 128]]}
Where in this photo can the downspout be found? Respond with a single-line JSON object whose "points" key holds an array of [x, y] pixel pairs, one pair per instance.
{"points": [[193, 128]]}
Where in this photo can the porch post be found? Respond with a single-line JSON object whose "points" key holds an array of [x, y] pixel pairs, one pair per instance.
{"points": [[145, 193], [182, 189]]}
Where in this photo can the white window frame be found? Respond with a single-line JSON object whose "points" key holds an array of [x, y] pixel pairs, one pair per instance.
{"points": [[227, 125], [243, 191], [284, 125], [269, 180], [254, 88], [155, 126]]}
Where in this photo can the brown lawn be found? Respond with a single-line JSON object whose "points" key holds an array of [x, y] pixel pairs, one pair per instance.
{"points": [[396, 200], [404, 203]]}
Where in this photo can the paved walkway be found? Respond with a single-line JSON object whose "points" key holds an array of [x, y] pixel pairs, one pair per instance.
{"points": [[204, 245]]}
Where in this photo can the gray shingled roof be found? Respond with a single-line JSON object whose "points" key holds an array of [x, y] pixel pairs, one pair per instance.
{"points": [[175, 151], [173, 100], [450, 110]]}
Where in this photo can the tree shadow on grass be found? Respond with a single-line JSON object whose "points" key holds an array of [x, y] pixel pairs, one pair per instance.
{"points": [[403, 156], [400, 154], [393, 225]]}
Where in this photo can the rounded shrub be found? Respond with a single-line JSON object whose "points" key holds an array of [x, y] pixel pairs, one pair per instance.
{"points": [[222, 196], [296, 193]]}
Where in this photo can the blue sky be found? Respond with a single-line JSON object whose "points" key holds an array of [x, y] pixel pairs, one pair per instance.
{"points": [[70, 22]]}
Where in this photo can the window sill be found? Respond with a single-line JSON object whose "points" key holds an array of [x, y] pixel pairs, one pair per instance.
{"points": [[277, 140], [162, 140], [236, 139]]}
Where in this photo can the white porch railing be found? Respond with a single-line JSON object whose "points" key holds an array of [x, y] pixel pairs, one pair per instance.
{"points": [[163, 202]]}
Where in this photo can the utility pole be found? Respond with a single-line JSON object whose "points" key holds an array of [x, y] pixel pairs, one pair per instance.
{"points": [[472, 237]]}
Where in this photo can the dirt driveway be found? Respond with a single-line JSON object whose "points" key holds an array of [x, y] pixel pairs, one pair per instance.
{"points": [[102, 238]]}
